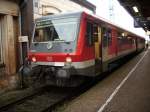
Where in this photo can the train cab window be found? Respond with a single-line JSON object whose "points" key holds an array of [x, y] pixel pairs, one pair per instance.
{"points": [[91, 33], [56, 30], [107, 37]]}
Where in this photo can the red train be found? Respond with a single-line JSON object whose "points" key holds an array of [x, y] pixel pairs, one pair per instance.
{"points": [[66, 48]]}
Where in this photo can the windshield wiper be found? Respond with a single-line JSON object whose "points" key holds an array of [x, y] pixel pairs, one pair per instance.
{"points": [[59, 40]]}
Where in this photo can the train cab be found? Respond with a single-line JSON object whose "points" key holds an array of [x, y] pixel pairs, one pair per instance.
{"points": [[63, 45]]}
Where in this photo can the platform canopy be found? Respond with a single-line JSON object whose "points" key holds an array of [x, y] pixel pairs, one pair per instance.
{"points": [[140, 10]]}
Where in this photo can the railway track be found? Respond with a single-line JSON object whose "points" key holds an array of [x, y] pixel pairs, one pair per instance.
{"points": [[43, 101], [46, 99]]}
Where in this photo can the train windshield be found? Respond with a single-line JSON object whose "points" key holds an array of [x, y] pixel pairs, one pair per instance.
{"points": [[62, 30]]}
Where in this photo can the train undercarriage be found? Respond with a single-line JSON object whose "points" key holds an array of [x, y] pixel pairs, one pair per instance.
{"points": [[45, 75]]}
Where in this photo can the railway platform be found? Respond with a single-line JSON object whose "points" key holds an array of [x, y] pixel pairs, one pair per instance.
{"points": [[133, 94], [127, 89]]}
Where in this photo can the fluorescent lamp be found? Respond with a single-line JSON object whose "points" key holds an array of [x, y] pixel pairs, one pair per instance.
{"points": [[124, 34], [147, 32], [135, 9]]}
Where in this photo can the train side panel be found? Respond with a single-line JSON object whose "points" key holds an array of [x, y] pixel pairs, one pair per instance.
{"points": [[126, 45], [116, 45]]}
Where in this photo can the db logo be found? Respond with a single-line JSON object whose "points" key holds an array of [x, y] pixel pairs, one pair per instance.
{"points": [[49, 58]]}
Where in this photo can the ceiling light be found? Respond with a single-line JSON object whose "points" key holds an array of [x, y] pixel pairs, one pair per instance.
{"points": [[148, 32], [135, 9]]}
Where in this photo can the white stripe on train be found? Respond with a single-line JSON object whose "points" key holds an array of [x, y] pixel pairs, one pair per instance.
{"points": [[78, 65]]}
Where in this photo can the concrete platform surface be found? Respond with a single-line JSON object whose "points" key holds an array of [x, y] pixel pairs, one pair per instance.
{"points": [[132, 96]]}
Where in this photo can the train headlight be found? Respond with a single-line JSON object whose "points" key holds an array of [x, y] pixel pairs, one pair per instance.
{"points": [[68, 60], [33, 59]]}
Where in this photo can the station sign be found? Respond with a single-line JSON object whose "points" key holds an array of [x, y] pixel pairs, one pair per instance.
{"points": [[23, 38]]}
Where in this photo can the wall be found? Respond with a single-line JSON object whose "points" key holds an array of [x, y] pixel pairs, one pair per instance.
{"points": [[9, 27], [8, 7], [43, 7]]}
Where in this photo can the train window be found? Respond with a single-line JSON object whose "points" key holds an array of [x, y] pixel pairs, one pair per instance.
{"points": [[107, 37], [89, 33], [92, 33], [104, 37], [125, 39], [131, 40], [120, 38], [141, 41], [60, 30], [95, 32]]}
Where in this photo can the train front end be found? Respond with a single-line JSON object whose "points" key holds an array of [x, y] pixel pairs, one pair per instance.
{"points": [[53, 48]]}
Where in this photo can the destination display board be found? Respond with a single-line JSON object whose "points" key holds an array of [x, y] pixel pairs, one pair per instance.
{"points": [[43, 23]]}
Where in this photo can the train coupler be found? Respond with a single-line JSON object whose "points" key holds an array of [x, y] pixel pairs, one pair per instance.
{"points": [[64, 72]]}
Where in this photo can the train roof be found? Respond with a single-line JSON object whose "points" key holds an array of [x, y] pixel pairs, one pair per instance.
{"points": [[79, 13]]}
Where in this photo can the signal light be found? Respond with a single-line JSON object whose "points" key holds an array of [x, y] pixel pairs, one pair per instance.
{"points": [[33, 59], [68, 59]]}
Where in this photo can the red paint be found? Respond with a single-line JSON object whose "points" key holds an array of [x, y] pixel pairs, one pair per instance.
{"points": [[86, 52], [112, 49]]}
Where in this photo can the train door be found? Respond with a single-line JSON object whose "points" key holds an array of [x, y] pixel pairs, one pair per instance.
{"points": [[98, 49], [98, 44], [105, 47], [109, 47]]}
